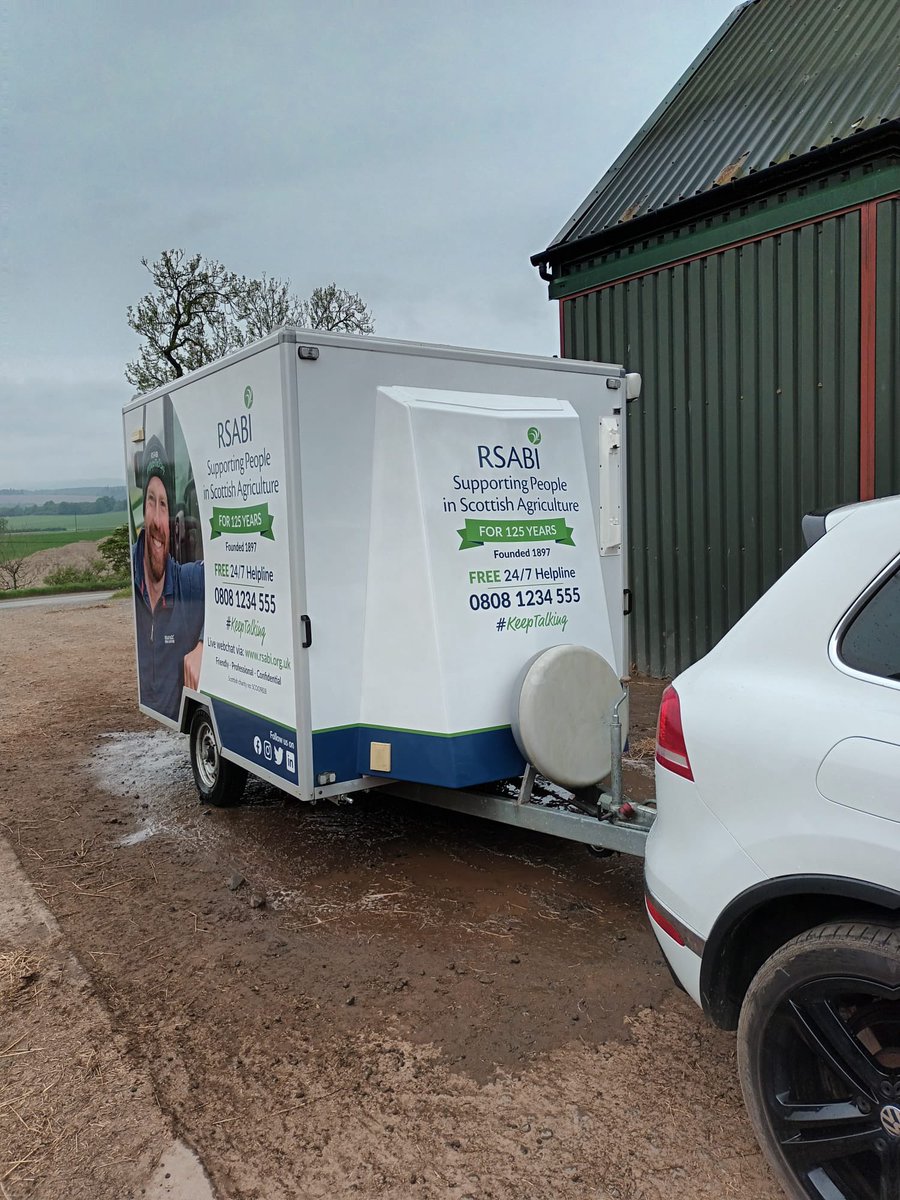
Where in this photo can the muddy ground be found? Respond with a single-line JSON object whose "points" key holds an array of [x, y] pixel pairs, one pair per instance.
{"points": [[378, 1000]]}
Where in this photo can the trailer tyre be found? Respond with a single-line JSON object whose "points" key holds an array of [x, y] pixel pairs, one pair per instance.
{"points": [[218, 781], [819, 1058]]}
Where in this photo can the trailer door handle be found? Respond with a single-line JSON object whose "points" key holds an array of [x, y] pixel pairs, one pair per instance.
{"points": [[307, 631], [628, 595]]}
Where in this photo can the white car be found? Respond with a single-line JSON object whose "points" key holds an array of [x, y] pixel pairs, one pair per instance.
{"points": [[773, 868]]}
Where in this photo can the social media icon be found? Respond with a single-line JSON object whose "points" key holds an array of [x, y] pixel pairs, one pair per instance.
{"points": [[279, 755], [289, 761], [267, 750], [257, 744]]}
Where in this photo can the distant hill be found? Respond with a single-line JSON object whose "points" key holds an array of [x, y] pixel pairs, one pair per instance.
{"points": [[21, 498]]}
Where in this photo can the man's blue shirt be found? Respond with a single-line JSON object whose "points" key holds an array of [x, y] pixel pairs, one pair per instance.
{"points": [[166, 635]]}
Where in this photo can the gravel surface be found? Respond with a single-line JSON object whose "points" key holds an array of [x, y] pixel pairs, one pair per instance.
{"points": [[377, 1000]]}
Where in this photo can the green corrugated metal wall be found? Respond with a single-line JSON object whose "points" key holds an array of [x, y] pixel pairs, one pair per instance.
{"points": [[887, 350], [749, 417]]}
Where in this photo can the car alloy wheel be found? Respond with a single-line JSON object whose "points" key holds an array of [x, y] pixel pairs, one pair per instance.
{"points": [[819, 1052]]}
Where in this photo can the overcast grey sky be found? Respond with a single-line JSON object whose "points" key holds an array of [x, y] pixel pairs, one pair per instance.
{"points": [[418, 153]]}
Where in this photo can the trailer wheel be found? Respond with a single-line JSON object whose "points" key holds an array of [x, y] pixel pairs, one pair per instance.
{"points": [[218, 781], [819, 1058]]}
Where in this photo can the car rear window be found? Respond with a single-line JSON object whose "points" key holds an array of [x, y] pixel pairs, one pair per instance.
{"points": [[871, 642]]}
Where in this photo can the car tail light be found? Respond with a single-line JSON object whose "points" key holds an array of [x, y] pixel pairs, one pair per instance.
{"points": [[676, 930], [671, 750], [662, 919]]}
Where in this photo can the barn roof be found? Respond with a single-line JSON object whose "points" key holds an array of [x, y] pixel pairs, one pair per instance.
{"points": [[781, 80]]}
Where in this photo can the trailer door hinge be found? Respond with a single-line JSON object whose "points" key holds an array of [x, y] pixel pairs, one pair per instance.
{"points": [[307, 631]]}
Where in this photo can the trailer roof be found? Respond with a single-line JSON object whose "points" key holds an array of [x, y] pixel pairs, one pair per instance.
{"points": [[780, 79], [374, 345]]}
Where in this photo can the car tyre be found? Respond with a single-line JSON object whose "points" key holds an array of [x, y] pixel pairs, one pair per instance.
{"points": [[819, 1061], [219, 781]]}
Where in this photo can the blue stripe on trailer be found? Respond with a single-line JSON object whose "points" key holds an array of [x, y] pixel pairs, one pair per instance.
{"points": [[334, 752], [455, 760], [257, 738]]}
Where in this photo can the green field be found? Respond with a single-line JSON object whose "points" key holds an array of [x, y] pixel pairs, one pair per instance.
{"points": [[20, 545], [69, 524]]}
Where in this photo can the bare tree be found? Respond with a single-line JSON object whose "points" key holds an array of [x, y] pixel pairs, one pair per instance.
{"points": [[334, 308], [199, 311], [268, 303], [187, 321], [16, 569]]}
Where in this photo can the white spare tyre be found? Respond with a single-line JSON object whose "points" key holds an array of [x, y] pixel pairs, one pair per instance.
{"points": [[562, 711]]}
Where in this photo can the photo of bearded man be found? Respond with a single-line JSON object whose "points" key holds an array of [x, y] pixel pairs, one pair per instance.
{"points": [[168, 596]]}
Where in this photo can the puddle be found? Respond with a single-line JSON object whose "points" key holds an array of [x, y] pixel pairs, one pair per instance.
{"points": [[139, 759], [378, 857], [152, 773], [179, 1176], [135, 839]]}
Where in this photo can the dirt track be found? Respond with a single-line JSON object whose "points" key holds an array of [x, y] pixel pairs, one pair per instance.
{"points": [[379, 1000]]}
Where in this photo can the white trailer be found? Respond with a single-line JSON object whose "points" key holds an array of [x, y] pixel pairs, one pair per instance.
{"points": [[364, 563]]}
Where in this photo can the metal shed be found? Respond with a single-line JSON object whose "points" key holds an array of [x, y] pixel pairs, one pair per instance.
{"points": [[743, 254]]}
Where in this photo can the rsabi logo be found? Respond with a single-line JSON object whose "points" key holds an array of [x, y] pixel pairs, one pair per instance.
{"points": [[235, 429], [498, 458], [534, 436]]}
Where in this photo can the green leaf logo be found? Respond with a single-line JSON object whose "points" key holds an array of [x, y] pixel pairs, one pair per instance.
{"points": [[248, 397], [534, 436]]}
